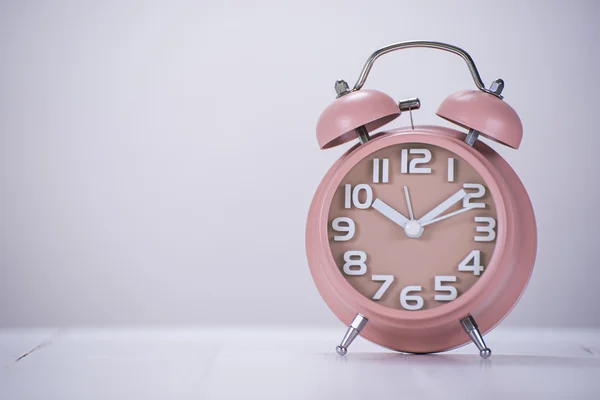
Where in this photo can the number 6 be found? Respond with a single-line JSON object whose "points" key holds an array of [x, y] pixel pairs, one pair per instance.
{"points": [[405, 298]]}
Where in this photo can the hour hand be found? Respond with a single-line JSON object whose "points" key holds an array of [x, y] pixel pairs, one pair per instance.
{"points": [[389, 212]]}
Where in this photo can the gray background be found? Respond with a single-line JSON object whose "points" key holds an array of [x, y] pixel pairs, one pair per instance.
{"points": [[158, 160]]}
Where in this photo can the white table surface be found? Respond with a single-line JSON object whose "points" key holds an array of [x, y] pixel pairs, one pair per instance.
{"points": [[289, 363]]}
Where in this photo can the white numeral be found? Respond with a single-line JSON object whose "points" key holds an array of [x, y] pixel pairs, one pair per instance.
{"points": [[476, 268], [347, 195], [476, 195], [350, 263], [352, 196], [450, 169], [411, 168], [439, 287], [343, 224], [405, 298], [489, 229], [385, 166], [387, 281]]}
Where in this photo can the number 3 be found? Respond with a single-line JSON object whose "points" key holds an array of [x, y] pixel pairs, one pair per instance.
{"points": [[489, 229]]}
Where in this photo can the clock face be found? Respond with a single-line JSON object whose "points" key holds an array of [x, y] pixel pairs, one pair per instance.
{"points": [[412, 226]]}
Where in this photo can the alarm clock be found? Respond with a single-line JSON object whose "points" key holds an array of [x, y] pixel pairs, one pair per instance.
{"points": [[420, 239]]}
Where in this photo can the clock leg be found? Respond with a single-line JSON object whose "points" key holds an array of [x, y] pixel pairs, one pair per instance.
{"points": [[357, 325], [470, 326]]}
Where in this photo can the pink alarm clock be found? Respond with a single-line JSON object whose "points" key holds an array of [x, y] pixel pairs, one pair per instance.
{"points": [[423, 238]]}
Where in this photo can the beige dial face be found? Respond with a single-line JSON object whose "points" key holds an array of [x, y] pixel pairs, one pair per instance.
{"points": [[418, 257]]}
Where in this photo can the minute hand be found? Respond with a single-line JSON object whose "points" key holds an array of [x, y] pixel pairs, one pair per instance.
{"points": [[443, 217], [446, 204]]}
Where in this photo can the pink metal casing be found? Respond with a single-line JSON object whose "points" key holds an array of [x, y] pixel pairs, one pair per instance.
{"points": [[488, 301], [368, 107], [486, 113]]}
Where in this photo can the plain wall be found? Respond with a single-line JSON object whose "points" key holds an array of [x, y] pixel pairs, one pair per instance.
{"points": [[157, 161]]}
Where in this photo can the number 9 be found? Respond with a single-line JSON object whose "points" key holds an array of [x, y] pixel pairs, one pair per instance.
{"points": [[348, 227]]}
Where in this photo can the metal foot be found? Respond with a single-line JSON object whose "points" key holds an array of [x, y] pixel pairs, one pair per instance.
{"points": [[357, 325], [470, 326]]}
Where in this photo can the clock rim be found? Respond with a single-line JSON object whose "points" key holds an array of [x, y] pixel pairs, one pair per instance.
{"points": [[346, 303]]}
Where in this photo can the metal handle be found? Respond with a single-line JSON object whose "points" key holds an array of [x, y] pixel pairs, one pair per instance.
{"points": [[427, 44]]}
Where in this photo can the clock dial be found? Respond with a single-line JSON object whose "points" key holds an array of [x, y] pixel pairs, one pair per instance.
{"points": [[412, 226]]}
